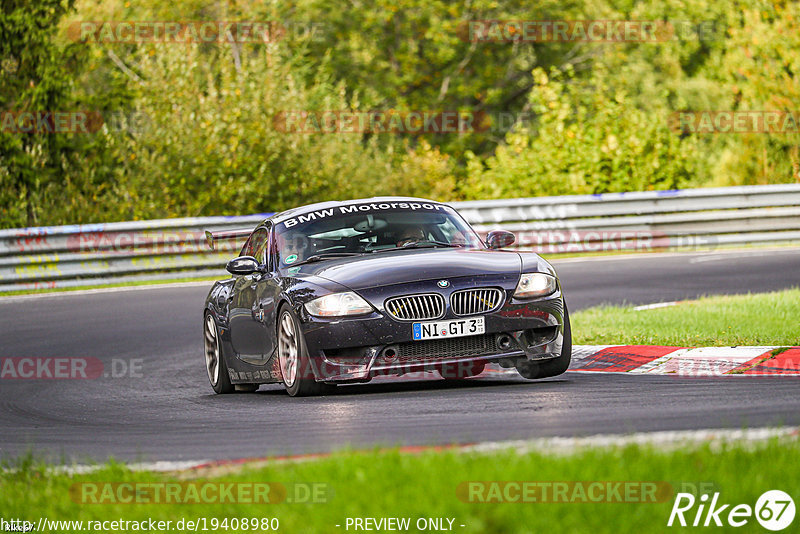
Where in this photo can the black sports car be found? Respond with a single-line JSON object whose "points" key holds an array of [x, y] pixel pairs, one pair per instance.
{"points": [[345, 291]]}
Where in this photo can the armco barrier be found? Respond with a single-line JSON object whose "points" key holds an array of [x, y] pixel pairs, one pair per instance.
{"points": [[94, 254]]}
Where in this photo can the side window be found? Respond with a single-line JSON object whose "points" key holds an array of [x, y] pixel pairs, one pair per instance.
{"points": [[256, 245], [271, 250], [246, 248], [260, 251]]}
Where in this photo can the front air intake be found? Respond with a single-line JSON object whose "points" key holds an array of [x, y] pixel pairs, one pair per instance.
{"points": [[475, 301], [416, 307]]}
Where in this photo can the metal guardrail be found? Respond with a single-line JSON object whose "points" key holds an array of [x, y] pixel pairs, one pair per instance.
{"points": [[97, 254]]}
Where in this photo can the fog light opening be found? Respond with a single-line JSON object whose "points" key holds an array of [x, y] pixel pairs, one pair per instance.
{"points": [[503, 342], [389, 354]]}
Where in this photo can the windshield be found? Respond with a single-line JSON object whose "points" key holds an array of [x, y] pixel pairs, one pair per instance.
{"points": [[371, 228]]}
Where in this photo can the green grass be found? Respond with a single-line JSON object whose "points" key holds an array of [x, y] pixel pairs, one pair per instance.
{"points": [[390, 484], [757, 319]]}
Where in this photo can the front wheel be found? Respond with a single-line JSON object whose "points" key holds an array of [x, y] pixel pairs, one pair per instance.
{"points": [[556, 366], [215, 362], [298, 377]]}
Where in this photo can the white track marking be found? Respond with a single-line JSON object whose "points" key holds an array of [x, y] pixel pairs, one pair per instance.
{"points": [[696, 362], [583, 352], [693, 257], [716, 256], [707, 361], [653, 366], [664, 440], [656, 305], [158, 466], [620, 257]]}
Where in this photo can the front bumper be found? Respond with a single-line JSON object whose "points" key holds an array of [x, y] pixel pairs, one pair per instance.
{"points": [[358, 349]]}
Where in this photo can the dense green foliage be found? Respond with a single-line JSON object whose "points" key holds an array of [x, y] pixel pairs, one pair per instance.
{"points": [[190, 128]]}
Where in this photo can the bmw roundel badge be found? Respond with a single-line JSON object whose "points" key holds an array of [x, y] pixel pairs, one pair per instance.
{"points": [[443, 283]]}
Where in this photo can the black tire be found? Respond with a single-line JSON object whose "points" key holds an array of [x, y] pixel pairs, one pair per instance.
{"points": [[216, 368], [556, 366], [460, 371], [294, 362]]}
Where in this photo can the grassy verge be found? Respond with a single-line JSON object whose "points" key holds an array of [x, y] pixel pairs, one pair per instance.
{"points": [[431, 484], [105, 286], [760, 319]]}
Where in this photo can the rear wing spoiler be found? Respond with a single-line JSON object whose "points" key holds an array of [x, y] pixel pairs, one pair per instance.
{"points": [[213, 237]]}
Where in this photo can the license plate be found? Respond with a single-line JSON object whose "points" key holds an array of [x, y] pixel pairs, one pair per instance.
{"points": [[443, 329]]}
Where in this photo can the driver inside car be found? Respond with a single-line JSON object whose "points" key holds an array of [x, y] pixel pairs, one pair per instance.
{"points": [[411, 234], [292, 248]]}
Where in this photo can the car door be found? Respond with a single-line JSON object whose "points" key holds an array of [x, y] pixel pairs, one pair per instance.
{"points": [[251, 339], [267, 297]]}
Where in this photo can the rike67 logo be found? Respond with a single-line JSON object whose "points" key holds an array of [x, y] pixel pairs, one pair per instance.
{"points": [[774, 510]]}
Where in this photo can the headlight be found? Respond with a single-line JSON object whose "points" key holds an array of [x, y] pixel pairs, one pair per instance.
{"points": [[535, 285], [338, 305]]}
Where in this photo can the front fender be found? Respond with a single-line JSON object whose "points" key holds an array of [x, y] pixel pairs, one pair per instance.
{"points": [[533, 263], [218, 300]]}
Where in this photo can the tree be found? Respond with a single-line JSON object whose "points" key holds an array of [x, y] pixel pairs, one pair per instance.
{"points": [[34, 80]]}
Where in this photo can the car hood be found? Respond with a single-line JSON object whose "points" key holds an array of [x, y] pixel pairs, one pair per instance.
{"points": [[396, 267]]}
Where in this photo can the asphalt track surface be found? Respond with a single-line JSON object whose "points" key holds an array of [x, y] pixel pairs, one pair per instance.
{"points": [[171, 413]]}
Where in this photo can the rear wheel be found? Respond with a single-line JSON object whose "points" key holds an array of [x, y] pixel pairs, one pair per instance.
{"points": [[459, 371], [556, 366], [298, 377], [215, 363]]}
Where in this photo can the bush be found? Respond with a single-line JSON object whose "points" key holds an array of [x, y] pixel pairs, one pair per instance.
{"points": [[588, 139]]}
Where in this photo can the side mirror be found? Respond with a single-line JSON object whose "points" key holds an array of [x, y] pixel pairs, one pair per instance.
{"points": [[242, 265], [500, 239]]}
